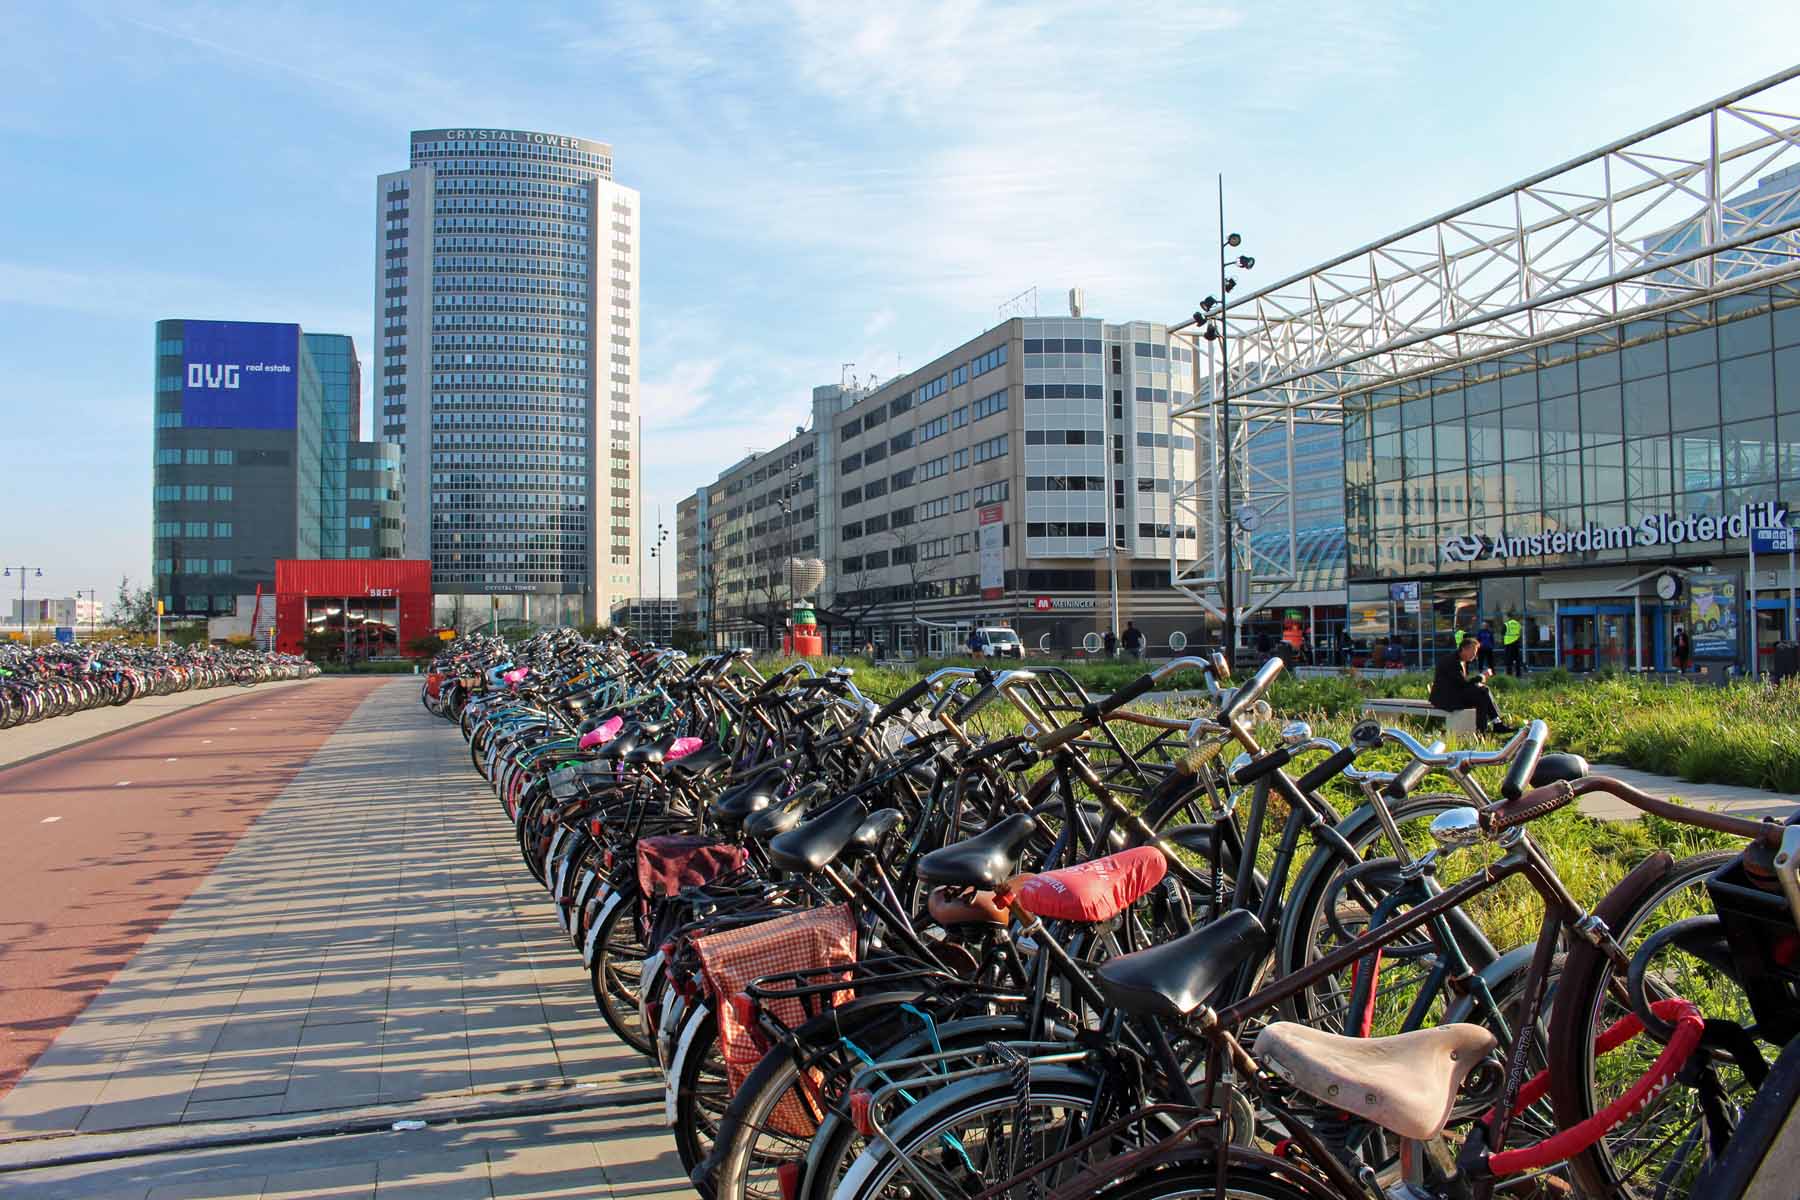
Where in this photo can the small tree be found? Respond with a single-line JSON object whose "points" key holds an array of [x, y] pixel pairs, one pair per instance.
{"points": [[919, 571], [134, 610]]}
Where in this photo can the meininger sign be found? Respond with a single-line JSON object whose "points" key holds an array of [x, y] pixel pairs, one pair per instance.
{"points": [[1658, 529]]}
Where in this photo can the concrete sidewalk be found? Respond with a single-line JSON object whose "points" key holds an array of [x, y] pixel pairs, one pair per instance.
{"points": [[373, 940], [58, 733]]}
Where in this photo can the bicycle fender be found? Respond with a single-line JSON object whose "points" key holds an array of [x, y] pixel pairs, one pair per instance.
{"points": [[689, 1033], [588, 948], [584, 891], [949, 1100], [668, 1029], [647, 985]]}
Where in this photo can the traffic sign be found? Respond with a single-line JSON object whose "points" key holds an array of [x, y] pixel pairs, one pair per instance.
{"points": [[65, 634], [1775, 539]]}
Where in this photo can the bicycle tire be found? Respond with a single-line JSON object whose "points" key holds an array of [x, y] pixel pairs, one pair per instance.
{"points": [[617, 972], [1580, 1014]]}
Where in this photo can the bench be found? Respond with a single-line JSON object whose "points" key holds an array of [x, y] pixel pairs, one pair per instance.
{"points": [[1460, 721]]}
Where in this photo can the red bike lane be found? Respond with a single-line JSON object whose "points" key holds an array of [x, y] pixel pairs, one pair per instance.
{"points": [[104, 840]]}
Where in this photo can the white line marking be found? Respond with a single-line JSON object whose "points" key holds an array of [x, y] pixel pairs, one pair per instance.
{"points": [[122, 783], [49, 820], [206, 741], [171, 760]]}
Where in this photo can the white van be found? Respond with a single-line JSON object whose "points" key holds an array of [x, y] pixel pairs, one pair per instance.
{"points": [[1002, 642]]}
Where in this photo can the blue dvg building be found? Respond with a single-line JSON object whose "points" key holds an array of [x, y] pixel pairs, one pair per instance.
{"points": [[254, 440]]}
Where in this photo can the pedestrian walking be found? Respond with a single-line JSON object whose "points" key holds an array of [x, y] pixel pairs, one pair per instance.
{"points": [[1684, 651], [1110, 642], [1485, 656], [1134, 640]]}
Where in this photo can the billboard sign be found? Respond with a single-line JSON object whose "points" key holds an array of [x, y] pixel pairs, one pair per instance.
{"points": [[991, 521], [239, 375], [1713, 616], [65, 634]]}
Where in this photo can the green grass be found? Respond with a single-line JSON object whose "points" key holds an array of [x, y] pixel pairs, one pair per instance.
{"points": [[1746, 733]]}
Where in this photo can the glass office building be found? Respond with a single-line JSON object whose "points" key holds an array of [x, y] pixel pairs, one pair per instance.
{"points": [[507, 334], [1586, 486], [340, 391]]}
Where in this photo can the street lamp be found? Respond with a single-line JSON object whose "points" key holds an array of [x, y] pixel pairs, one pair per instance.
{"points": [[656, 556], [37, 573], [1210, 317], [93, 595]]}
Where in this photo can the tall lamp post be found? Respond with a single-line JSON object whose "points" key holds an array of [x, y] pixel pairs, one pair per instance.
{"points": [[656, 556], [1211, 320], [34, 573]]}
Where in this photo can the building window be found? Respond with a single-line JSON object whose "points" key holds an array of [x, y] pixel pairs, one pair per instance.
{"points": [[195, 566], [168, 419], [168, 458], [993, 493], [195, 529], [962, 501], [167, 491], [994, 447], [224, 458], [959, 417], [221, 566], [194, 491], [359, 552], [198, 457], [959, 458], [222, 529], [987, 406], [221, 491]]}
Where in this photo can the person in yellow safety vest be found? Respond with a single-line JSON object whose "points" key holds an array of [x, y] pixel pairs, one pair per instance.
{"points": [[1512, 641], [1459, 637]]}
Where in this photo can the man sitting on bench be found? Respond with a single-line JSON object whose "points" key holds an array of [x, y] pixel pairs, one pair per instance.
{"points": [[1453, 688]]}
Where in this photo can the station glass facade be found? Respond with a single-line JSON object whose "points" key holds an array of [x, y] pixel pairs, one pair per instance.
{"points": [[1553, 483]]}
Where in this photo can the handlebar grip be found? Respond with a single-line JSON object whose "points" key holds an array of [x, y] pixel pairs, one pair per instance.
{"points": [[904, 700], [1253, 690], [977, 702], [1328, 770], [1518, 776], [1528, 807], [813, 683], [1126, 694], [776, 680], [1408, 779], [1255, 769]]}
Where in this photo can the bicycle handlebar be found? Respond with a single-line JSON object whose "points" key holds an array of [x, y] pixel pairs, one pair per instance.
{"points": [[1511, 813], [1252, 691], [1518, 776]]}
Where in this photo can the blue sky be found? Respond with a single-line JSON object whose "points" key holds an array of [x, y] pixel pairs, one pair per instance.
{"points": [[823, 183]]}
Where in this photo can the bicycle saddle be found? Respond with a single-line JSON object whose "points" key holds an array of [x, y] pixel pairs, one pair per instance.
{"points": [[1406, 1083], [985, 861], [750, 794], [818, 839], [649, 751], [878, 825], [1094, 891], [1552, 768], [617, 748], [778, 816], [701, 762], [1175, 978]]}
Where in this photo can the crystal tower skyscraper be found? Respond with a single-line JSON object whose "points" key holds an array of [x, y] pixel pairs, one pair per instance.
{"points": [[506, 319]]}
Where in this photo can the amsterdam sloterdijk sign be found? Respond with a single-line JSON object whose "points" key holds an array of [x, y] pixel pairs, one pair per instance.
{"points": [[1658, 529]]}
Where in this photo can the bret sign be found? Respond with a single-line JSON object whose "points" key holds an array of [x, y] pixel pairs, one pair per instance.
{"points": [[1658, 529]]}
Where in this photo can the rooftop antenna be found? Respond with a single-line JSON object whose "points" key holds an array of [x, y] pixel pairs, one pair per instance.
{"points": [[1017, 305]]}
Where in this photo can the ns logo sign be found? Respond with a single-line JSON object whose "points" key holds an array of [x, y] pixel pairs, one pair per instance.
{"points": [[1463, 547], [213, 376]]}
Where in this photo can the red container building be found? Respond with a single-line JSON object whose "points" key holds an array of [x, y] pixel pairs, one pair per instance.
{"points": [[376, 606]]}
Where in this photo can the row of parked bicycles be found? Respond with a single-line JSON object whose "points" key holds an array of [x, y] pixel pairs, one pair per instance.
{"points": [[54, 680], [997, 937]]}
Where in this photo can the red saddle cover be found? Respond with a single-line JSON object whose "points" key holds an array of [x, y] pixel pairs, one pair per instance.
{"points": [[1094, 891]]}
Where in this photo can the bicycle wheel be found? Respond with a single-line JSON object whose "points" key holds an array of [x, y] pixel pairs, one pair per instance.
{"points": [[1322, 914], [1193, 1176], [1655, 1152], [701, 1089], [975, 1134], [617, 969]]}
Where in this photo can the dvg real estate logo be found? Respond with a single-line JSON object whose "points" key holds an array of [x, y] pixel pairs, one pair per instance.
{"points": [[213, 376], [1463, 547]]}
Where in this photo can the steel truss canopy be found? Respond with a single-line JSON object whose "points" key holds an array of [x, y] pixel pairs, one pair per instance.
{"points": [[1702, 204]]}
